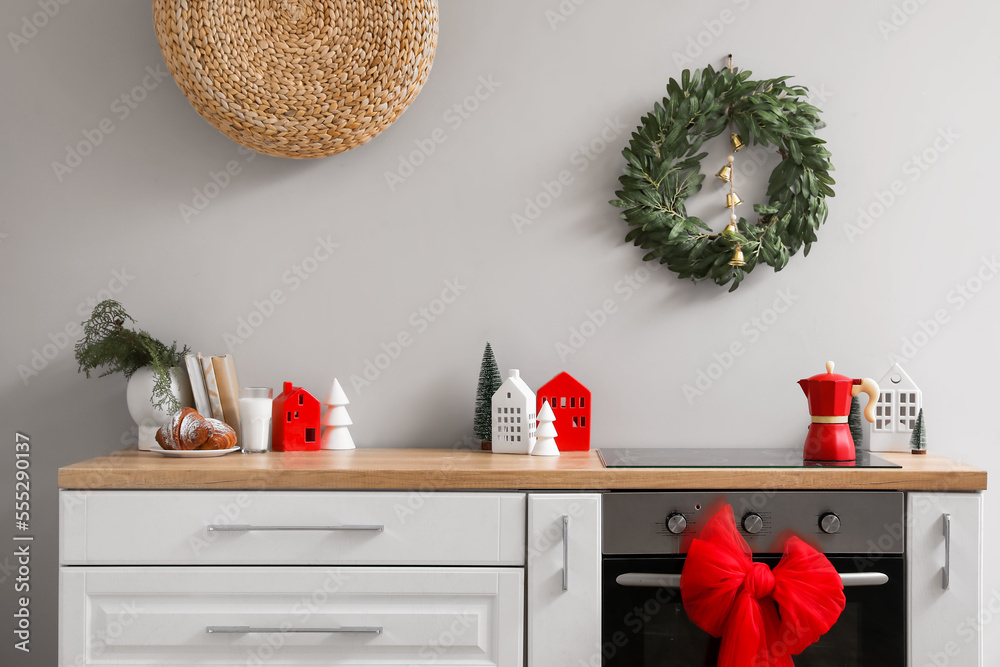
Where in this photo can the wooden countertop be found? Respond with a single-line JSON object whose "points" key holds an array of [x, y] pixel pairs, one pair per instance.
{"points": [[425, 469]]}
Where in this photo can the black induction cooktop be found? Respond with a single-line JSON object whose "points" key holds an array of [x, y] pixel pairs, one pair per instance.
{"points": [[728, 458]]}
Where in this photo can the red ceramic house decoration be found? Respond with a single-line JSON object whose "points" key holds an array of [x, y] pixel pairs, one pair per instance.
{"points": [[570, 401], [294, 420]]}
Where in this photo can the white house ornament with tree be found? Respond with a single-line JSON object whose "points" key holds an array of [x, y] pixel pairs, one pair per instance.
{"points": [[545, 434], [895, 412], [336, 435], [513, 416]]}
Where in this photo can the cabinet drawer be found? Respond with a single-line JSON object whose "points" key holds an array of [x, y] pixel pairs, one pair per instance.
{"points": [[297, 527], [349, 617]]}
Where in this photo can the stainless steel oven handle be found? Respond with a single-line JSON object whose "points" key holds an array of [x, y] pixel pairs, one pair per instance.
{"points": [[653, 580]]}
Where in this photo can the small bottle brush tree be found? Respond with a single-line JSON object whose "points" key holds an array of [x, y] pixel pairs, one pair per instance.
{"points": [[489, 382], [108, 344], [855, 422], [918, 439]]}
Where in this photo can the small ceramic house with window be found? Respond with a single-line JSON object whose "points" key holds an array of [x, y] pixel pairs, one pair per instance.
{"points": [[896, 412], [294, 420], [570, 401], [513, 416]]}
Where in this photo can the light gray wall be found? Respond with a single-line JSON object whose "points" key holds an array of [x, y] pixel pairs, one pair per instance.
{"points": [[890, 83]]}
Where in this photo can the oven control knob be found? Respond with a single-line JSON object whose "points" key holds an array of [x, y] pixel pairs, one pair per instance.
{"points": [[752, 523], [676, 523], [829, 523]]}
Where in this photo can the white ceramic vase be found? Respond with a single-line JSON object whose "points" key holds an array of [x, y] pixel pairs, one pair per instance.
{"points": [[147, 417]]}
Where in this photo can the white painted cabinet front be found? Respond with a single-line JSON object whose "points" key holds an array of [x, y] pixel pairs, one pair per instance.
{"points": [[944, 548], [564, 580], [291, 528], [347, 617]]}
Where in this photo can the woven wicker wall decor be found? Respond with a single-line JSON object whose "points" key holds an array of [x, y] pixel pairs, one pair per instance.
{"points": [[298, 78]]}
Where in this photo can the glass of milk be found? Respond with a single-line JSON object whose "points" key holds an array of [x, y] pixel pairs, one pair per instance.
{"points": [[255, 419]]}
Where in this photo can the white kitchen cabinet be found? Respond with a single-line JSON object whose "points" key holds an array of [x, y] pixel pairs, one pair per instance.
{"points": [[564, 580], [291, 528], [943, 622], [346, 617]]}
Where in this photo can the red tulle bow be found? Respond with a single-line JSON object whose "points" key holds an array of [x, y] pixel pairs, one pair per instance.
{"points": [[764, 617]]}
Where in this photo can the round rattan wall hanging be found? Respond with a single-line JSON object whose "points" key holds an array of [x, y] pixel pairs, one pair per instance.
{"points": [[298, 78]]}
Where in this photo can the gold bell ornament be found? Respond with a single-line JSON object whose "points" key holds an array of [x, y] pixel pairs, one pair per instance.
{"points": [[736, 142], [731, 227], [737, 259], [733, 200], [725, 174]]}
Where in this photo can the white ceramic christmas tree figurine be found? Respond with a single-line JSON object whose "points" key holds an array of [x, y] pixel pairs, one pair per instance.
{"points": [[336, 435], [545, 435]]}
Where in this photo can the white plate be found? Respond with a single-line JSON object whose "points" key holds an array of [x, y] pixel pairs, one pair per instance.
{"points": [[194, 453]]}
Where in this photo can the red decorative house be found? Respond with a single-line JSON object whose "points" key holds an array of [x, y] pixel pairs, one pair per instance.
{"points": [[570, 401], [294, 420]]}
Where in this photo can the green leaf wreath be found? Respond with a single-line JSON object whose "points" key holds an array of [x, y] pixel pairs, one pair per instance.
{"points": [[664, 169]]}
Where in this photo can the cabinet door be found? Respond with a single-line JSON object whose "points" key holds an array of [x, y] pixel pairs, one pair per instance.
{"points": [[342, 617], [943, 622], [564, 580]]}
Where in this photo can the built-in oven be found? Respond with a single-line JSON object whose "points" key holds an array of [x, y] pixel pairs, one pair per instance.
{"points": [[646, 537]]}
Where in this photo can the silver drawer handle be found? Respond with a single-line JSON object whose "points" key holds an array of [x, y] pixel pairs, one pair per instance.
{"points": [[565, 573], [243, 528], [946, 572], [246, 629], [651, 580]]}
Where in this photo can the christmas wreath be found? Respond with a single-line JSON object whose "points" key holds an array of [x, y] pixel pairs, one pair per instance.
{"points": [[664, 168]]}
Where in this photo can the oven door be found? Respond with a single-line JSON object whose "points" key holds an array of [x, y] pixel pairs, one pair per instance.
{"points": [[644, 624]]}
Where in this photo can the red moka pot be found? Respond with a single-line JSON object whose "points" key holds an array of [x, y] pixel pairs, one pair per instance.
{"points": [[829, 395]]}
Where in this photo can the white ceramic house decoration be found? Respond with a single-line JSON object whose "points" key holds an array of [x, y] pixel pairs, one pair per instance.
{"points": [[513, 416], [896, 412], [336, 435], [545, 434]]}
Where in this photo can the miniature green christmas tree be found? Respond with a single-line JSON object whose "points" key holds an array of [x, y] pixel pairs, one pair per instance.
{"points": [[918, 440], [489, 382], [855, 423]]}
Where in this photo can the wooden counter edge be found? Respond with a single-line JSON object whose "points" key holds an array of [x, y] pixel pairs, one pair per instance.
{"points": [[429, 470]]}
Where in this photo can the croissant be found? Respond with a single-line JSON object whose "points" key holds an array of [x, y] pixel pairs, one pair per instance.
{"points": [[189, 430]]}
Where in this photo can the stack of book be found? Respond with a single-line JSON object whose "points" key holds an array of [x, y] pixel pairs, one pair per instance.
{"points": [[215, 389]]}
